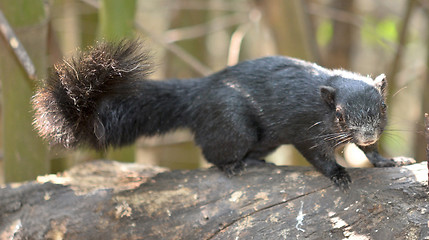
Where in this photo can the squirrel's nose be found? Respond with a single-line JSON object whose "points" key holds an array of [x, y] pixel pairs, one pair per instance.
{"points": [[366, 138]]}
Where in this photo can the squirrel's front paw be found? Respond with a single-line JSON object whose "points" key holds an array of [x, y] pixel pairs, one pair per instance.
{"points": [[394, 162], [342, 180], [401, 161]]}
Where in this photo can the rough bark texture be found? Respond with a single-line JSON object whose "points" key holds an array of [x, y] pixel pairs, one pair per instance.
{"points": [[109, 200]]}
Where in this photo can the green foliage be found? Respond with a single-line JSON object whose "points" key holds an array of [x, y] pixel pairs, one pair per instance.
{"points": [[324, 33], [379, 32], [386, 29], [23, 12]]}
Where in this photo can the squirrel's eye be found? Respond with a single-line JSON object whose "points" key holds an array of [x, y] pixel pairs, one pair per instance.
{"points": [[383, 106], [339, 116]]}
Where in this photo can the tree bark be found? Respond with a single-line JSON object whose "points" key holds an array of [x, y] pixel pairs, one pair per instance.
{"points": [[110, 200]]}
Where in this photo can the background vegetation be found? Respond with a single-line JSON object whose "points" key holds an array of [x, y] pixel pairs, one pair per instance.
{"points": [[192, 38]]}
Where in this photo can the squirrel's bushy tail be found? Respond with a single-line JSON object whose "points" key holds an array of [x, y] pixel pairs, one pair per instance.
{"points": [[67, 106]]}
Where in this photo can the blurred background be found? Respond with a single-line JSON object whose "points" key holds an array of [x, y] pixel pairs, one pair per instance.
{"points": [[193, 38]]}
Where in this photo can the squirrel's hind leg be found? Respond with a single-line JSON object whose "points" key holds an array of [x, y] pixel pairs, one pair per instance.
{"points": [[225, 154], [226, 146]]}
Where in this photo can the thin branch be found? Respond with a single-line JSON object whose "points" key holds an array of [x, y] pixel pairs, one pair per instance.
{"points": [[235, 43], [178, 51], [17, 47], [237, 37], [207, 5], [93, 3], [334, 14], [195, 5], [199, 30]]}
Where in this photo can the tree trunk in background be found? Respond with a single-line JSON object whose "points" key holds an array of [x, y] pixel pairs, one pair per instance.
{"points": [[286, 20], [395, 67], [339, 49], [420, 143], [397, 59], [88, 24], [25, 154], [116, 19]]}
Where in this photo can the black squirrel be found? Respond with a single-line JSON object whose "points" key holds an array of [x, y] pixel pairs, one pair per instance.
{"points": [[102, 98]]}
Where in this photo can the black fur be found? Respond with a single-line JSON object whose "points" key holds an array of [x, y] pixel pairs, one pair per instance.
{"points": [[242, 113]]}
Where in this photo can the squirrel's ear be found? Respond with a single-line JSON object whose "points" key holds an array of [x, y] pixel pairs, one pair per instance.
{"points": [[380, 83], [328, 95]]}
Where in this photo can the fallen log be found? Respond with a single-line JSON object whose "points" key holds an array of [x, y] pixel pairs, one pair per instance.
{"points": [[110, 200]]}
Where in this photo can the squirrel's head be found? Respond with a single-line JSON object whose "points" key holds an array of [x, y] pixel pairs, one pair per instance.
{"points": [[358, 108]]}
